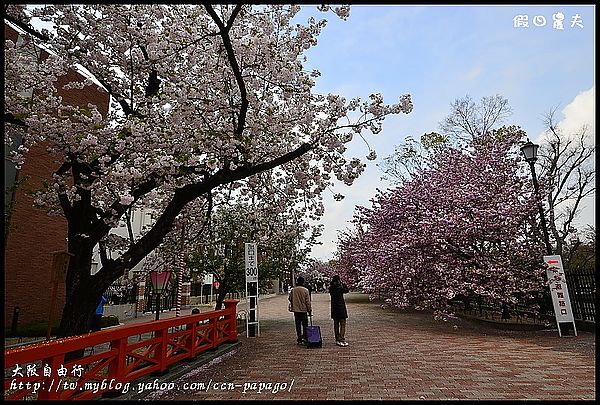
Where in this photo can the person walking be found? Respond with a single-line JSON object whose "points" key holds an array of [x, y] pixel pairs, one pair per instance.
{"points": [[300, 305], [339, 313]]}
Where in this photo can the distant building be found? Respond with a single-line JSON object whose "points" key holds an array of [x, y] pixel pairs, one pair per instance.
{"points": [[139, 220]]}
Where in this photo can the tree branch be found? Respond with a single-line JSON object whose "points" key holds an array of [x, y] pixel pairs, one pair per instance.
{"points": [[224, 31]]}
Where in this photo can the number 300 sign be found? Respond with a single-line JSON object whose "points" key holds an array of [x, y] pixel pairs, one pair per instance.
{"points": [[251, 267]]}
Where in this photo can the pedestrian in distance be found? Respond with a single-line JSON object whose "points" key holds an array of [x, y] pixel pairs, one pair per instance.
{"points": [[196, 311], [339, 313], [97, 324], [300, 305]]}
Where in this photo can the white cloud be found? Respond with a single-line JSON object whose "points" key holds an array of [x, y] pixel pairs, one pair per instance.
{"points": [[474, 73], [581, 111]]}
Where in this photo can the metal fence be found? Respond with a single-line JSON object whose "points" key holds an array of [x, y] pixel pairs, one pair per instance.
{"points": [[582, 292], [204, 291], [168, 298]]}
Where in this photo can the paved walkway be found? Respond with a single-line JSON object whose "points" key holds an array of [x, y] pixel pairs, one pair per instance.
{"points": [[392, 355]]}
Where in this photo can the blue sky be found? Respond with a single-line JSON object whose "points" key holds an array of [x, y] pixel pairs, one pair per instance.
{"points": [[440, 53]]}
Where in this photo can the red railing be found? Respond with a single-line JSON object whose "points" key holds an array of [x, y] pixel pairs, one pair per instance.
{"points": [[40, 371]]}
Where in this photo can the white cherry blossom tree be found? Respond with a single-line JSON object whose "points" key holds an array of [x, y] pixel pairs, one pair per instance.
{"points": [[202, 98]]}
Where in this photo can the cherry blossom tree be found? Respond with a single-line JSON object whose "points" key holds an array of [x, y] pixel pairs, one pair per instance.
{"points": [[463, 227], [567, 172], [282, 243], [349, 245], [202, 98], [317, 274]]}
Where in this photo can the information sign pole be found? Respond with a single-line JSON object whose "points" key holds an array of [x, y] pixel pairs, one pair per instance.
{"points": [[252, 323]]}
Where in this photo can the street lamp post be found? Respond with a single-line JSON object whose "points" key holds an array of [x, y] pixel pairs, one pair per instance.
{"points": [[159, 281], [529, 151]]}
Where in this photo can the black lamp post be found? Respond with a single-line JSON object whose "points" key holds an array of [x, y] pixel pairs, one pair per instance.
{"points": [[159, 281], [530, 152]]}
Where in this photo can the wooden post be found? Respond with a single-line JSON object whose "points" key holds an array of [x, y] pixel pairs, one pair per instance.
{"points": [[179, 287], [181, 266], [231, 306]]}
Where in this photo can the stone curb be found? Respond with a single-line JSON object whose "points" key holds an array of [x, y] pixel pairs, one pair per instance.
{"points": [[176, 371]]}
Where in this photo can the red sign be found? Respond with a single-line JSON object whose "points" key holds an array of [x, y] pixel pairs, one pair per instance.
{"points": [[216, 284]]}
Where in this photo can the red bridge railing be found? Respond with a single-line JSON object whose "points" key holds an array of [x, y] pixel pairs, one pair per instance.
{"points": [[40, 371]]}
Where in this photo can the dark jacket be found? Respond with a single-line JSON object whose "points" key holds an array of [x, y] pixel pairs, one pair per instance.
{"points": [[338, 305]]}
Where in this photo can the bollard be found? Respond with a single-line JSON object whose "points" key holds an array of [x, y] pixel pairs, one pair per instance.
{"points": [[15, 321]]}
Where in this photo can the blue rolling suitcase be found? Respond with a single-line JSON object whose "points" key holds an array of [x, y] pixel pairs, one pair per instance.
{"points": [[313, 335]]}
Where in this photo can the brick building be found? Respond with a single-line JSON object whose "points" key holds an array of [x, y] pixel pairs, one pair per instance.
{"points": [[31, 235]]}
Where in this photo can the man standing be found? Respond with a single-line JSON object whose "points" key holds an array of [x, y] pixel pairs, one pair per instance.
{"points": [[300, 305]]}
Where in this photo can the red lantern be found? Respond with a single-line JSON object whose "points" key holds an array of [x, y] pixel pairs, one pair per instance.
{"points": [[159, 280]]}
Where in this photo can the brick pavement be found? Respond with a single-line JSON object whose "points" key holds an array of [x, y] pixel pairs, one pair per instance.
{"points": [[392, 354]]}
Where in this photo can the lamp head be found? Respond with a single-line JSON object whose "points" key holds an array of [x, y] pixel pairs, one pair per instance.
{"points": [[529, 151], [159, 280]]}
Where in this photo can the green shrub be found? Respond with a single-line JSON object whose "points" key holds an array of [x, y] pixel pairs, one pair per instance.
{"points": [[39, 328], [109, 320], [33, 329]]}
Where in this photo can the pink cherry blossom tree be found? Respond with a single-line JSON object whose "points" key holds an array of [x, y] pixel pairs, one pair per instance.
{"points": [[202, 99], [460, 228], [317, 274], [348, 248]]}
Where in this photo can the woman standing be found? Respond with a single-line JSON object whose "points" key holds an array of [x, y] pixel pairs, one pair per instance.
{"points": [[339, 314]]}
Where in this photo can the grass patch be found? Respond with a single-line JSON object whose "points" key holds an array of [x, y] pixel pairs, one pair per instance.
{"points": [[356, 298]]}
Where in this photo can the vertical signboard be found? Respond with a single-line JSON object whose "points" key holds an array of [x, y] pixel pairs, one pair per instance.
{"points": [[208, 280], [559, 291], [252, 325]]}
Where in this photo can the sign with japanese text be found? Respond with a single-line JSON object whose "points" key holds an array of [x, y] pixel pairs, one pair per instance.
{"points": [[251, 263], [252, 322], [558, 289], [60, 265]]}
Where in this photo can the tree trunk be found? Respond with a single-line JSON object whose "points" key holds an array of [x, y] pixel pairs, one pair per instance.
{"points": [[220, 297], [78, 315], [83, 291], [467, 303]]}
